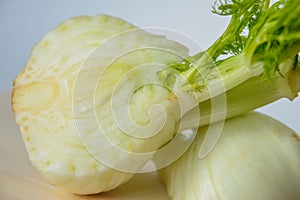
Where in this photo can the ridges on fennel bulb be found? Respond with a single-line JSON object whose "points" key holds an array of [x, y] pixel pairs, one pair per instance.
{"points": [[256, 157]]}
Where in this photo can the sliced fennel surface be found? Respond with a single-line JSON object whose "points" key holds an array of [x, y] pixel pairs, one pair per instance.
{"points": [[256, 157], [55, 111]]}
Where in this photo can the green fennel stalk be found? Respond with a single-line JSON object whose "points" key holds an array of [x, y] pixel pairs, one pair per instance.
{"points": [[261, 45]]}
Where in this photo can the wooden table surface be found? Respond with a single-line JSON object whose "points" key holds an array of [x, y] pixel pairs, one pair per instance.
{"points": [[20, 181]]}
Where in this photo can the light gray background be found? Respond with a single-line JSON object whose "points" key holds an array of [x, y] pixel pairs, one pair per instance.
{"points": [[25, 22]]}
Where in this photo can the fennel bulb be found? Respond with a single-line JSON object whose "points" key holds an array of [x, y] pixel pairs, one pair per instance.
{"points": [[54, 112], [99, 98], [256, 157]]}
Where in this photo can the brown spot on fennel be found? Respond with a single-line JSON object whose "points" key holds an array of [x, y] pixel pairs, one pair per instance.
{"points": [[295, 136]]}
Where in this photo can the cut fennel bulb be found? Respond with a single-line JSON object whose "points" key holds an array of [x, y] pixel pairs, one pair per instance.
{"points": [[54, 102], [256, 157], [99, 98]]}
